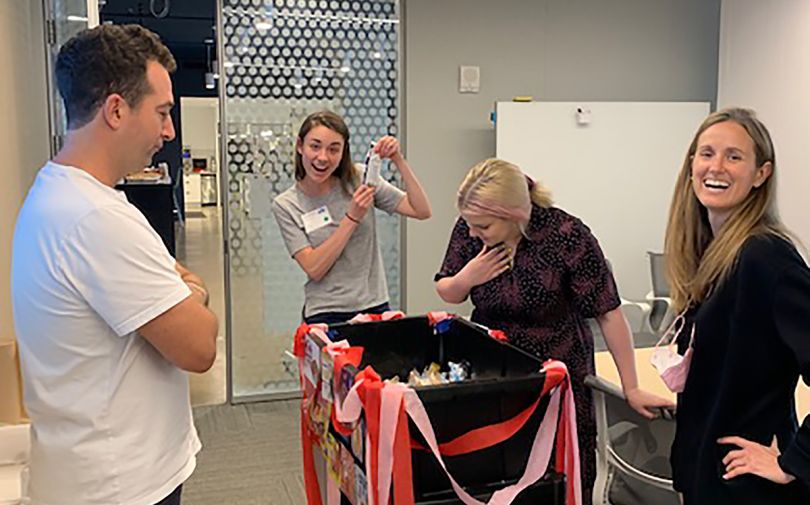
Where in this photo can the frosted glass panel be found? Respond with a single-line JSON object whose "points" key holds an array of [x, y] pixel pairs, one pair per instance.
{"points": [[282, 61]]}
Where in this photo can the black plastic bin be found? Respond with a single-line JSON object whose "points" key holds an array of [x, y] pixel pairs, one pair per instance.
{"points": [[506, 381]]}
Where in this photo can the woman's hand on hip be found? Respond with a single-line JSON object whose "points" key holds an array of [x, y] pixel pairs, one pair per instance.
{"points": [[487, 265], [755, 459], [362, 200]]}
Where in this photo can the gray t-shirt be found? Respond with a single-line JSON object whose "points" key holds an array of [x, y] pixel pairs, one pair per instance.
{"points": [[357, 279]]}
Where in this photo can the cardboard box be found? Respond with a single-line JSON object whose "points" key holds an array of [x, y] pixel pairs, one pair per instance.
{"points": [[11, 400]]}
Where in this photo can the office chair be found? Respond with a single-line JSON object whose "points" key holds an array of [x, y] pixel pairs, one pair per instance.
{"points": [[638, 315], [660, 304], [632, 463]]}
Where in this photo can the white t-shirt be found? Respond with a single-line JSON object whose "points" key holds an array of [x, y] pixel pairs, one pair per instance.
{"points": [[111, 418]]}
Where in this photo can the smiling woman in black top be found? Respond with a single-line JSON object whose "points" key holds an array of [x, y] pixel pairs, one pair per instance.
{"points": [[732, 264]]}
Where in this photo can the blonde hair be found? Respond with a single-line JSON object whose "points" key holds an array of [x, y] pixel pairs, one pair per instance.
{"points": [[499, 188], [696, 261]]}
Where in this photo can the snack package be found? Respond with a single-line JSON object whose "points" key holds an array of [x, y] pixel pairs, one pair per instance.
{"points": [[344, 384], [319, 412], [331, 451], [360, 487], [358, 441], [347, 479], [312, 361], [433, 375], [327, 374], [458, 371], [372, 173], [430, 376]]}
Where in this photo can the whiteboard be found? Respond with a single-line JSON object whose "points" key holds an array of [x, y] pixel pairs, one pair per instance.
{"points": [[616, 172]]}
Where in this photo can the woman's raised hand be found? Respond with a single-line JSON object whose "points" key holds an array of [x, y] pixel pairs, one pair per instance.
{"points": [[388, 147]]}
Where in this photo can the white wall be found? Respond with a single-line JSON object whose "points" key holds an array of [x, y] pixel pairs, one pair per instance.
{"points": [[23, 125], [764, 65], [623, 198], [198, 119], [24, 148]]}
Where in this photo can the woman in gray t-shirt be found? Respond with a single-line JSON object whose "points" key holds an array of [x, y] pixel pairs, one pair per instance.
{"points": [[326, 225]]}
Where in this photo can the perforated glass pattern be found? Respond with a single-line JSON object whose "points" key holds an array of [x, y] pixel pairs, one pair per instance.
{"points": [[284, 59]]}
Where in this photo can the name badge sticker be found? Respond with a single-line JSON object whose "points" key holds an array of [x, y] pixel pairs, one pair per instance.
{"points": [[317, 219]]}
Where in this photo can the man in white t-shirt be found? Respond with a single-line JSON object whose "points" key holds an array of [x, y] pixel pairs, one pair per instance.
{"points": [[107, 321]]}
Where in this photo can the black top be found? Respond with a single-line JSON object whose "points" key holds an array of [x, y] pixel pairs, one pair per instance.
{"points": [[752, 341]]}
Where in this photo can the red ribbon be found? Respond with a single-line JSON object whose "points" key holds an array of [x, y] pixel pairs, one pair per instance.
{"points": [[307, 437], [498, 335], [403, 468], [298, 340], [389, 315], [370, 394], [487, 436], [310, 476], [435, 317], [345, 356]]}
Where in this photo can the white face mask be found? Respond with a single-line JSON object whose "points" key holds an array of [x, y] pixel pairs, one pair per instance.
{"points": [[671, 366]]}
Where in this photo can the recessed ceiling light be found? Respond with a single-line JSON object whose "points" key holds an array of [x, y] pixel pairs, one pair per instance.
{"points": [[263, 25]]}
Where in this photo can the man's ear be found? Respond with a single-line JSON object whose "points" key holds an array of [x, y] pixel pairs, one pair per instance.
{"points": [[114, 110]]}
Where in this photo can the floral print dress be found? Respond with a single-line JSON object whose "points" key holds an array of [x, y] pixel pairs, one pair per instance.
{"points": [[560, 278]]}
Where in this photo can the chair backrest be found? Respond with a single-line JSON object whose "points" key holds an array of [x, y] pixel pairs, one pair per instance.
{"points": [[633, 451], [660, 285]]}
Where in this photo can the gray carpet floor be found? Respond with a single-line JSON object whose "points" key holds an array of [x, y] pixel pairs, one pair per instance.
{"points": [[251, 456]]}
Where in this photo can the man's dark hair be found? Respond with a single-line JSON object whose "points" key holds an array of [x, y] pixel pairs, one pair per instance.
{"points": [[104, 60]]}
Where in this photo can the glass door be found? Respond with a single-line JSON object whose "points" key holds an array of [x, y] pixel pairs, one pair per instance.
{"points": [[281, 60], [63, 20]]}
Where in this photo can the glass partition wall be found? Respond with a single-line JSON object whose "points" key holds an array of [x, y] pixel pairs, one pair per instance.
{"points": [[62, 20], [281, 60]]}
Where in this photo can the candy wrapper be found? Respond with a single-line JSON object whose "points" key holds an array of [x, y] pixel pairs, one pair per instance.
{"points": [[458, 372], [358, 441], [312, 362], [327, 373], [372, 172], [347, 478], [360, 487], [430, 376], [331, 451]]}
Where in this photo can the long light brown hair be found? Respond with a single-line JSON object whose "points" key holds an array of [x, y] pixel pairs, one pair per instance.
{"points": [[697, 262]]}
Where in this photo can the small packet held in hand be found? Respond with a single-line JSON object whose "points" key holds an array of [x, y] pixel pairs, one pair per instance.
{"points": [[372, 174]]}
